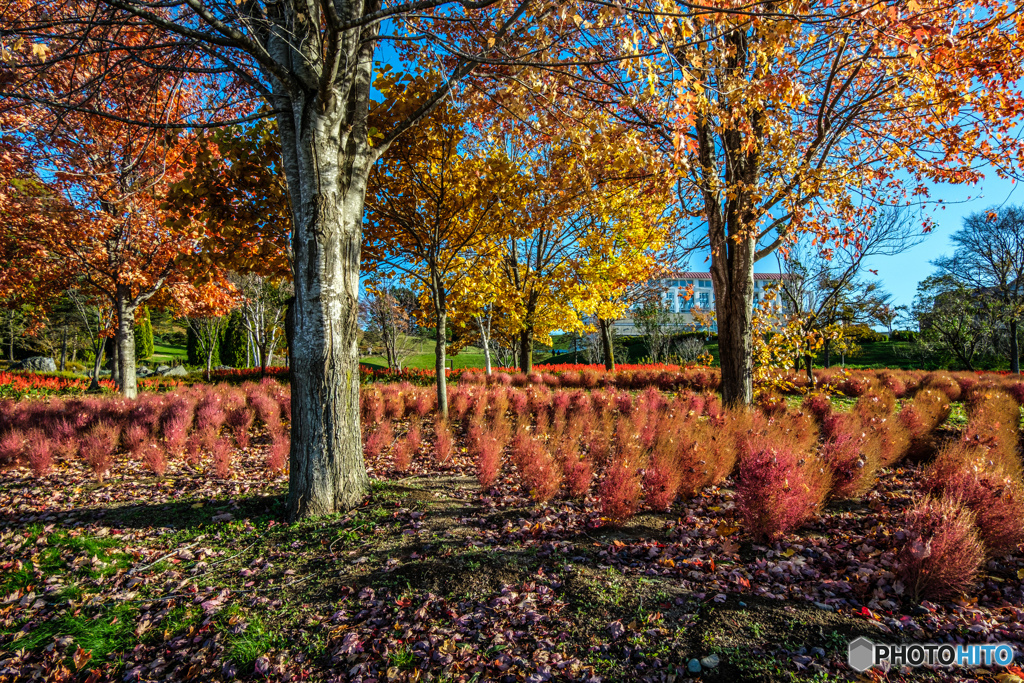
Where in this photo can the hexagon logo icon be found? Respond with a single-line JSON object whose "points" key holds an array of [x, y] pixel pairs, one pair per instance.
{"points": [[861, 654]]}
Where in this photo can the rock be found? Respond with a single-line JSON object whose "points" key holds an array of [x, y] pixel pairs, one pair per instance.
{"points": [[827, 608], [800, 650], [709, 662], [143, 372], [163, 368], [35, 364], [178, 371], [818, 652], [693, 667], [742, 604], [223, 367]]}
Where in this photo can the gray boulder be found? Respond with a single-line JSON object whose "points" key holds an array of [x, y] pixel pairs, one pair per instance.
{"points": [[36, 364], [143, 372], [163, 368], [223, 367], [178, 371]]}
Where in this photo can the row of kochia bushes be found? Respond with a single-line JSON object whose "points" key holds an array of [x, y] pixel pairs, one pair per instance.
{"points": [[629, 451], [202, 424], [621, 450], [700, 379]]}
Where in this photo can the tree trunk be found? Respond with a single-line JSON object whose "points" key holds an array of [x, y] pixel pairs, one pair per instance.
{"points": [[441, 320], [485, 341], [808, 359], [828, 353], [94, 383], [327, 165], [211, 346], [64, 348], [526, 350], [732, 273], [1014, 350], [115, 361], [607, 347], [125, 343], [10, 338]]}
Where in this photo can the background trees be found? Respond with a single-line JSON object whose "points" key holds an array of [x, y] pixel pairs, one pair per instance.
{"points": [[803, 118], [988, 265], [436, 209], [829, 286]]}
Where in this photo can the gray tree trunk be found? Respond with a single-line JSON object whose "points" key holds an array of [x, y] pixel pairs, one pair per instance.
{"points": [[732, 272], [124, 343], [1014, 350], [94, 383], [485, 339], [327, 162], [440, 348], [607, 345]]}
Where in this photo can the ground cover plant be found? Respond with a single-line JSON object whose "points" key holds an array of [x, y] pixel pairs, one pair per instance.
{"points": [[543, 532]]}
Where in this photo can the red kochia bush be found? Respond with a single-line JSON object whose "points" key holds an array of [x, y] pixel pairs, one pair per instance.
{"points": [[662, 480], [775, 493], [620, 491], [443, 442], [278, 451], [155, 458], [488, 460], [240, 420], [39, 452], [97, 448], [12, 444], [220, 449], [539, 471], [997, 504], [379, 438], [940, 551], [853, 474], [401, 455]]}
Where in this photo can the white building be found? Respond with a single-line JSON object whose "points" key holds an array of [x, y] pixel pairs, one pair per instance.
{"points": [[675, 290]]}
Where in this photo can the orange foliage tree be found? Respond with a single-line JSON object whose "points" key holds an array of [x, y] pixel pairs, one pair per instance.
{"points": [[100, 185], [795, 117]]}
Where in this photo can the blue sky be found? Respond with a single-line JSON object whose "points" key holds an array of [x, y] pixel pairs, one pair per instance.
{"points": [[901, 274]]}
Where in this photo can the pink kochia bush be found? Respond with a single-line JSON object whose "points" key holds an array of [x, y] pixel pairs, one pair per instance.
{"points": [[278, 451], [940, 551], [777, 491], [620, 491], [39, 452]]}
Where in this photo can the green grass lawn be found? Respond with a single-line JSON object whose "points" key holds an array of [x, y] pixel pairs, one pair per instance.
{"points": [[163, 354]]}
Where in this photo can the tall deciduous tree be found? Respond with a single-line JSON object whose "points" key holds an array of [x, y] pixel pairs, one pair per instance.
{"points": [[436, 210], [989, 261], [313, 64], [781, 118]]}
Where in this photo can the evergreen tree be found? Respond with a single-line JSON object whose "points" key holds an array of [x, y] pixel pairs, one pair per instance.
{"points": [[232, 344], [143, 334]]}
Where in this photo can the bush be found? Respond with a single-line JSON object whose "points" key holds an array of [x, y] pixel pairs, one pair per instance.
{"points": [[905, 336], [39, 451], [940, 551], [240, 420], [143, 334], [443, 442], [278, 452], [862, 334], [488, 460], [776, 494], [620, 491]]}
